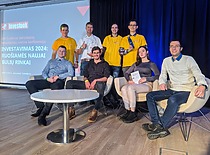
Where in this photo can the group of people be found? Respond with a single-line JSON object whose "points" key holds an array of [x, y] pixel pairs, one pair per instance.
{"points": [[182, 70]]}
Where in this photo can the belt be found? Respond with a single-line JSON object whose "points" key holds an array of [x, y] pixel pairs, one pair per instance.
{"points": [[85, 59]]}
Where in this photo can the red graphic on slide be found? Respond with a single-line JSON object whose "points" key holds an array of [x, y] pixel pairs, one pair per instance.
{"points": [[3, 26], [83, 9]]}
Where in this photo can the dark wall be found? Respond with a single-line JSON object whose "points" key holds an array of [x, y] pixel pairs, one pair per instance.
{"points": [[160, 21]]}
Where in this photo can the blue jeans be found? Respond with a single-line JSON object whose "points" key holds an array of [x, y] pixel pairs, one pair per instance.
{"points": [[99, 87], [175, 99], [115, 71], [83, 66]]}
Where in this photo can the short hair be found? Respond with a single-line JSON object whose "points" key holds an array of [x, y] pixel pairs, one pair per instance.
{"points": [[176, 40], [96, 48], [64, 25], [62, 46], [89, 23], [133, 20]]}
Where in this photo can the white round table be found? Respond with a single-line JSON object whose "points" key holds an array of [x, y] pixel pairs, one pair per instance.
{"points": [[64, 96]]}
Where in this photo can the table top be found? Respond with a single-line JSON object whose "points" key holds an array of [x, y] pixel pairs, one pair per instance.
{"points": [[64, 95]]}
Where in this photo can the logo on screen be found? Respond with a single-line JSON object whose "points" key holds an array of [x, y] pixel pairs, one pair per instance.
{"points": [[14, 26], [3, 26]]}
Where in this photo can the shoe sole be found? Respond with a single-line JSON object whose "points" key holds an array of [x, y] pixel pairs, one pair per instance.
{"points": [[72, 117], [158, 136], [136, 119], [91, 121]]}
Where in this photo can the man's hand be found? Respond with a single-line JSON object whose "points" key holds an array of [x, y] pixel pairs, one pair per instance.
{"points": [[84, 45], [51, 80], [200, 91], [163, 86], [87, 84], [93, 84], [55, 78]]}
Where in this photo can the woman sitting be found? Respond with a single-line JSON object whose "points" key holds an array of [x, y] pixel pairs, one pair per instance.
{"points": [[144, 68]]}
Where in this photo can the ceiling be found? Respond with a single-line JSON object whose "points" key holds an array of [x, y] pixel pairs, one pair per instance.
{"points": [[10, 4]]}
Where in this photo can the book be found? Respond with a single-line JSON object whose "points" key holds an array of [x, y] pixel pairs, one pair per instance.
{"points": [[135, 77]]}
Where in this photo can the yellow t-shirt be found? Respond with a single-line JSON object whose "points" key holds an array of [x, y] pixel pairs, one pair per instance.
{"points": [[70, 45], [112, 45], [130, 58]]}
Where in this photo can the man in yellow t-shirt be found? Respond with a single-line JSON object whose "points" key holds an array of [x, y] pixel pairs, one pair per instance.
{"points": [[111, 45], [130, 44], [66, 41]]}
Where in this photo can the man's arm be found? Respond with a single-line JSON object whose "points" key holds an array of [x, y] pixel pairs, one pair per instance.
{"points": [[46, 70], [200, 78], [163, 76]]}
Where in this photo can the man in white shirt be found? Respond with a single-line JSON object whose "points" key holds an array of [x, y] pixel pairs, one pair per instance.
{"points": [[184, 74], [85, 46]]}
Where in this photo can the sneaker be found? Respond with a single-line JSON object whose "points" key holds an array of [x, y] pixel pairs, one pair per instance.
{"points": [[93, 116], [158, 132], [132, 117], [148, 127], [125, 115], [71, 113]]}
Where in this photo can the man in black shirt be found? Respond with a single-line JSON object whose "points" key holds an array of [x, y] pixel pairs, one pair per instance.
{"points": [[96, 74]]}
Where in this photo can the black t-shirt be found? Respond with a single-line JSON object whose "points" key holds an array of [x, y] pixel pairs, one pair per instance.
{"points": [[95, 71]]}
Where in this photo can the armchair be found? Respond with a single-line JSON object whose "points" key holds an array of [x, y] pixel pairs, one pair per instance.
{"points": [[141, 97], [193, 104]]}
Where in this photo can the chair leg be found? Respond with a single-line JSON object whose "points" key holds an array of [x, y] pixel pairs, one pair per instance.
{"points": [[59, 108], [183, 125], [207, 119], [118, 109], [185, 129]]}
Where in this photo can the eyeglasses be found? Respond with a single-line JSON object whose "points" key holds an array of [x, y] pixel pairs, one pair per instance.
{"points": [[96, 52], [132, 25], [174, 46]]}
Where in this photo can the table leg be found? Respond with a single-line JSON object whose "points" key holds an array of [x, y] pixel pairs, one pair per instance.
{"points": [[65, 135]]}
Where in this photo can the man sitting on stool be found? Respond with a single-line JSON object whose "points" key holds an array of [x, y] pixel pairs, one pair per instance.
{"points": [[54, 74], [96, 74]]}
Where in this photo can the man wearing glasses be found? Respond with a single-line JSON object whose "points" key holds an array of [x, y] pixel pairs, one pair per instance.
{"points": [[96, 74], [130, 44], [184, 74]]}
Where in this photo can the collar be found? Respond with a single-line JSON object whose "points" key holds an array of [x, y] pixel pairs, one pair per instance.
{"points": [[60, 59], [133, 34], [88, 36], [113, 36], [178, 58]]}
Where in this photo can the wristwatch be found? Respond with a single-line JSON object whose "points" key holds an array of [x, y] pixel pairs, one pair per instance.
{"points": [[204, 85]]}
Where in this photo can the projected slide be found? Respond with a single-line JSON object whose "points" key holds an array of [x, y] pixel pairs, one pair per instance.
{"points": [[27, 35]]}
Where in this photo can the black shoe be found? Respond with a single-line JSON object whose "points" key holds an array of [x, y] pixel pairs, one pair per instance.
{"points": [[42, 121], [148, 127], [125, 115], [37, 113], [159, 132], [132, 117]]}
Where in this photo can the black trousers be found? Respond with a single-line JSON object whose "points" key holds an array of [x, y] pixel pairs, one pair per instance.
{"points": [[36, 85], [99, 87]]}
